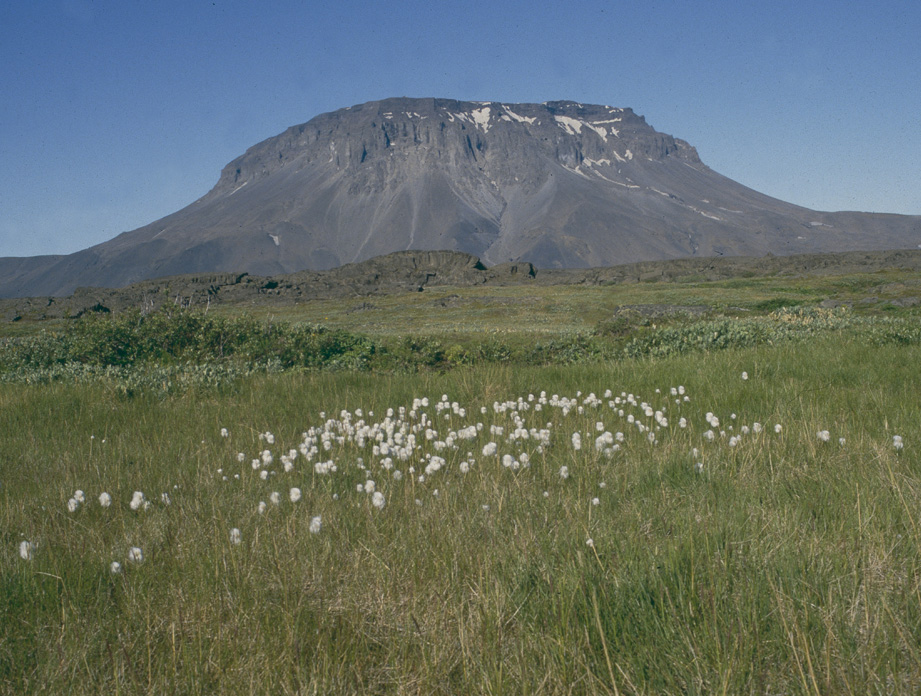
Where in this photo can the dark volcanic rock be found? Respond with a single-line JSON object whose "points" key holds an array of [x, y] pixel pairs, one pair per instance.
{"points": [[414, 271], [559, 184]]}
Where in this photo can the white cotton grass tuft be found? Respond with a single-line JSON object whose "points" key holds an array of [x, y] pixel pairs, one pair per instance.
{"points": [[105, 500], [377, 500], [897, 442], [823, 435], [315, 524], [79, 496], [294, 494], [115, 567], [275, 498], [135, 555], [137, 500], [25, 550], [564, 472], [261, 507], [72, 505], [225, 432], [744, 375], [235, 536]]}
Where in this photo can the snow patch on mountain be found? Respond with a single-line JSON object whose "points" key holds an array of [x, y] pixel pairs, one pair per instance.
{"points": [[481, 118]]}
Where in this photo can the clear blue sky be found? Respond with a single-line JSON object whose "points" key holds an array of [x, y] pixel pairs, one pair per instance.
{"points": [[117, 112]]}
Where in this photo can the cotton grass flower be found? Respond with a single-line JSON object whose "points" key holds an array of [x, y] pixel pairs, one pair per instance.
{"points": [[115, 567], [105, 500], [235, 536], [294, 494], [275, 498], [72, 505], [564, 472], [261, 507], [377, 500], [137, 500], [135, 555], [79, 496], [315, 524], [25, 550], [823, 435], [897, 442]]}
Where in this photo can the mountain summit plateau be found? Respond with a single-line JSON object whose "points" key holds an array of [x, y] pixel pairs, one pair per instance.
{"points": [[559, 184]]}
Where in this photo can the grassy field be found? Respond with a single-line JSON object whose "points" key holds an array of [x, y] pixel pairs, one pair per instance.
{"points": [[732, 512], [547, 310]]}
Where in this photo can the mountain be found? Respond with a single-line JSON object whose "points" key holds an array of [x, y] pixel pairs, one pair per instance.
{"points": [[559, 184]]}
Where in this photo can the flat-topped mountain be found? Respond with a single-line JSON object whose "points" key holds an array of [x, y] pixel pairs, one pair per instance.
{"points": [[559, 184]]}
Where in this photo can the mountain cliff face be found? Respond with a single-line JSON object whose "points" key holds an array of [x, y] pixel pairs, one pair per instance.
{"points": [[559, 184]]}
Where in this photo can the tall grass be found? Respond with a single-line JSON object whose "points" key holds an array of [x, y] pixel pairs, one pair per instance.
{"points": [[783, 564], [176, 351]]}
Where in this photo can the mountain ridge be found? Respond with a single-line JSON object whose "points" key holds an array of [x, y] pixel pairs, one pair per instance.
{"points": [[560, 184]]}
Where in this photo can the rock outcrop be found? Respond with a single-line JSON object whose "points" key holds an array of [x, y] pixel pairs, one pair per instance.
{"points": [[417, 271]]}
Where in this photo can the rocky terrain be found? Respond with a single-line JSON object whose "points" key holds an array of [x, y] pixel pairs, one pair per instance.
{"points": [[558, 184], [415, 271]]}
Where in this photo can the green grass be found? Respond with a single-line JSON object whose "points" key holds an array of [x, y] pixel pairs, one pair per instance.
{"points": [[785, 565], [546, 310]]}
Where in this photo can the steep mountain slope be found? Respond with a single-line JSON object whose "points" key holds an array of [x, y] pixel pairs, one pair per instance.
{"points": [[559, 184]]}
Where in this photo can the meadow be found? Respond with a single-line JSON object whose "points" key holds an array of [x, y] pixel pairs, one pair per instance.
{"points": [[219, 503]]}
